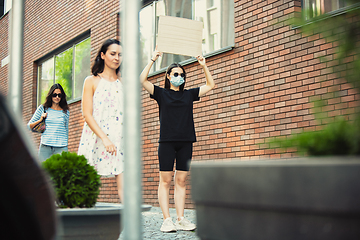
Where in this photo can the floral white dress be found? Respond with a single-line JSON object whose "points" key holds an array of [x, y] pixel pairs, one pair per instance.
{"points": [[108, 114]]}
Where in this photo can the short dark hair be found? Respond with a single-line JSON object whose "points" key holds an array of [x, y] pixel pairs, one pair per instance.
{"points": [[63, 103], [168, 71], [99, 63]]}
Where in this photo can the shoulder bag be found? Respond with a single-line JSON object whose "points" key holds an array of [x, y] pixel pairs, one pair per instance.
{"points": [[40, 127]]}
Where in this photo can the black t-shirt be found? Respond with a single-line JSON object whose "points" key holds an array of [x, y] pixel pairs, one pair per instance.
{"points": [[176, 113]]}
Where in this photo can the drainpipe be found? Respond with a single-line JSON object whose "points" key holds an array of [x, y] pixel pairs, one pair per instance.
{"points": [[131, 219], [16, 41]]}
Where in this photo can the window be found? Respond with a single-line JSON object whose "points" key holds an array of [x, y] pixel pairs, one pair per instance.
{"points": [[5, 6], [217, 16], [318, 7], [69, 68]]}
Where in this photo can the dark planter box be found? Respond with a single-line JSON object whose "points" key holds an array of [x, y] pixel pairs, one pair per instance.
{"points": [[309, 198], [99, 222]]}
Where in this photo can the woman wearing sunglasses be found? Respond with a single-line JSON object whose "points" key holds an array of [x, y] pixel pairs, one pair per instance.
{"points": [[55, 111], [177, 134]]}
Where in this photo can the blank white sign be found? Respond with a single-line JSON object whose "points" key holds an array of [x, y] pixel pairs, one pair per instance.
{"points": [[180, 36]]}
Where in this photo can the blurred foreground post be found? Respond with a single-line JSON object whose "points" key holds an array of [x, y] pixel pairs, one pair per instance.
{"points": [[16, 56], [130, 77]]}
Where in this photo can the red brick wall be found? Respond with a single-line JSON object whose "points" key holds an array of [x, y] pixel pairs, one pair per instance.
{"points": [[47, 30], [262, 89]]}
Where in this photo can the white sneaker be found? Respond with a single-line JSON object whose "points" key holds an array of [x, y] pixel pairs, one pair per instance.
{"points": [[184, 224], [168, 226]]}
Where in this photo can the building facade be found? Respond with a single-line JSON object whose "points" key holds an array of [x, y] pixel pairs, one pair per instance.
{"points": [[265, 72]]}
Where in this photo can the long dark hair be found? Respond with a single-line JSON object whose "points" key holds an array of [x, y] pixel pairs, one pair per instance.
{"points": [[168, 71], [99, 63], [63, 103]]}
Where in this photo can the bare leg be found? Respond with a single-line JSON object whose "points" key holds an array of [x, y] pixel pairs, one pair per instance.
{"points": [[163, 192], [180, 192], [119, 180]]}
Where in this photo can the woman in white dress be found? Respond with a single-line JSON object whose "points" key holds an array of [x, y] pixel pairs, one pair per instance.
{"points": [[102, 107]]}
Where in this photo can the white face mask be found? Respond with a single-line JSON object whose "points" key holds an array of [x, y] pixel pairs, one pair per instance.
{"points": [[177, 81]]}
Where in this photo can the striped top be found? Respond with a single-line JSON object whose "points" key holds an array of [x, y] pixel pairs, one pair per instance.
{"points": [[57, 126]]}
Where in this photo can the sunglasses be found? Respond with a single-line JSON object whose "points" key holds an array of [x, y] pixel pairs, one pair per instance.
{"points": [[57, 95], [177, 74]]}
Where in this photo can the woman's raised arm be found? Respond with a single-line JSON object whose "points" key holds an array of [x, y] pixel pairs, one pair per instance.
{"points": [[210, 84], [143, 76]]}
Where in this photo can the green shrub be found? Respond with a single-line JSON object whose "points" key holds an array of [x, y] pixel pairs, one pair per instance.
{"points": [[337, 138], [77, 184]]}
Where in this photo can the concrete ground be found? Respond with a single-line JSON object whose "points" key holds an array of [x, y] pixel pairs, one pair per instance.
{"points": [[153, 219]]}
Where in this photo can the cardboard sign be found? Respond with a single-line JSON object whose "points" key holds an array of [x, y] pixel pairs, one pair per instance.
{"points": [[180, 36]]}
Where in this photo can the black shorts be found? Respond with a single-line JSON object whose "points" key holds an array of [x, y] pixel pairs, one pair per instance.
{"points": [[169, 151]]}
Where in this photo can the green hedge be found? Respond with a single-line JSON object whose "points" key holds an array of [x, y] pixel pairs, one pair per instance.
{"points": [[340, 137], [77, 184]]}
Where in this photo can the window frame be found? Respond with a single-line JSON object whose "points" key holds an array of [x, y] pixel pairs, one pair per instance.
{"points": [[145, 3], [193, 59], [325, 16], [7, 6], [329, 14], [70, 44]]}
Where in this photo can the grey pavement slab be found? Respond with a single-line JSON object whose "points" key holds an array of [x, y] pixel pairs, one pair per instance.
{"points": [[153, 219]]}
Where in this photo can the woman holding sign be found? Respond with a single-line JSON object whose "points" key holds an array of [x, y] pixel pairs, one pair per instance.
{"points": [[177, 134]]}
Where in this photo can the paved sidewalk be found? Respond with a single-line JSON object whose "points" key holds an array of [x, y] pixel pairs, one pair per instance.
{"points": [[153, 219]]}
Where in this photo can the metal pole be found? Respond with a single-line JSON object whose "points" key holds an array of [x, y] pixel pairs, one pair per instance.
{"points": [[131, 219], [16, 41]]}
